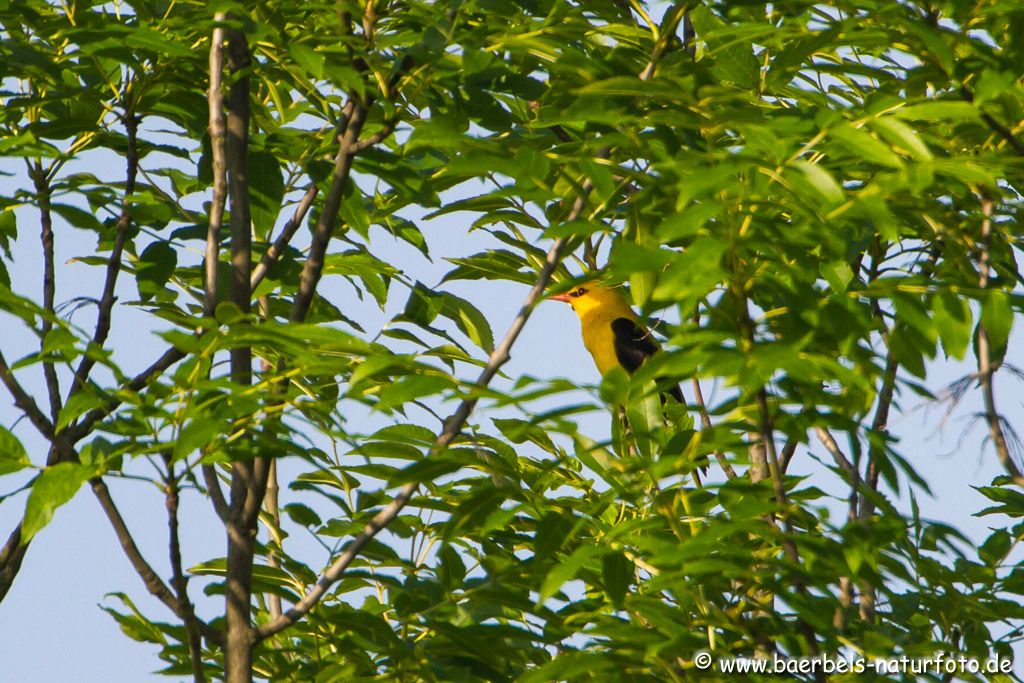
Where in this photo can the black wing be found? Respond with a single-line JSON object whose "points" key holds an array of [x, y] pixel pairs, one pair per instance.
{"points": [[633, 345]]}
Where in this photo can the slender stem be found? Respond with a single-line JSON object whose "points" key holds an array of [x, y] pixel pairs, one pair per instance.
{"points": [[121, 230], [215, 98], [986, 369], [43, 192], [178, 580], [149, 576]]}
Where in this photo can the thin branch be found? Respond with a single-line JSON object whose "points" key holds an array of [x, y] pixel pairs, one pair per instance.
{"points": [[220, 504], [375, 139], [986, 370], [313, 268], [124, 221], [998, 128], [215, 99], [786, 456], [705, 420], [178, 579], [23, 401], [42, 187], [275, 250], [149, 576], [846, 589], [11, 556]]}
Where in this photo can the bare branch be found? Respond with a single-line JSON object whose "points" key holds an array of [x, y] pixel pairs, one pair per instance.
{"points": [[124, 221], [215, 98], [11, 556], [23, 401], [986, 370], [220, 504], [313, 268], [846, 589], [149, 576], [178, 579], [42, 187], [705, 419], [275, 250]]}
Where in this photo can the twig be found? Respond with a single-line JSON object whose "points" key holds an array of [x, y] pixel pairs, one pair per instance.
{"points": [[152, 580], [178, 579], [986, 371], [275, 250], [42, 187], [220, 504], [1000, 129], [124, 221], [215, 99], [846, 590], [705, 419], [313, 268], [11, 556], [23, 401]]}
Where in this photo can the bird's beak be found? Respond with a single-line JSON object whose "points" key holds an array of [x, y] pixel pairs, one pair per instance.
{"points": [[564, 298]]}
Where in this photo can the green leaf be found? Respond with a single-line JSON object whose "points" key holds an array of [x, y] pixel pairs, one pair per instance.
{"points": [[997, 318], [470, 321], [822, 181], [8, 230], [154, 269], [308, 58], [900, 135], [952, 110], [266, 191], [54, 487], [862, 144], [953, 319], [13, 456], [617, 575]]}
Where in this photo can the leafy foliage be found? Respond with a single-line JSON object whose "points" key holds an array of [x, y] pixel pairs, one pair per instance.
{"points": [[817, 200]]}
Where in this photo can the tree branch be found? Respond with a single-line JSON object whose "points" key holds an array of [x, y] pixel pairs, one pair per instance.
{"points": [[275, 250], [42, 187], [149, 576], [998, 128], [986, 370], [178, 580], [11, 556], [124, 221], [313, 268], [846, 590], [23, 401], [215, 99]]}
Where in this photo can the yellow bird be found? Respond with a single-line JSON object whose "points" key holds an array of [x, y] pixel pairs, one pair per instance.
{"points": [[612, 332]]}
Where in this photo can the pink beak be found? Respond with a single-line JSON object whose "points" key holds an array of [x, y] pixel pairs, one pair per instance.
{"points": [[565, 298]]}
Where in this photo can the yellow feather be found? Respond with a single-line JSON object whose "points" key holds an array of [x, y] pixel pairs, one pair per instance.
{"points": [[597, 307]]}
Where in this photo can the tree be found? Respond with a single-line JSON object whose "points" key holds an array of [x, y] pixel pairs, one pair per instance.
{"points": [[815, 199]]}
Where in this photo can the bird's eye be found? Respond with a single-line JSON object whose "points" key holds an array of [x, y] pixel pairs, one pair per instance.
{"points": [[579, 292]]}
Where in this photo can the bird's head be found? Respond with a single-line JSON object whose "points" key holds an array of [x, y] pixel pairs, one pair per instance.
{"points": [[593, 296]]}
